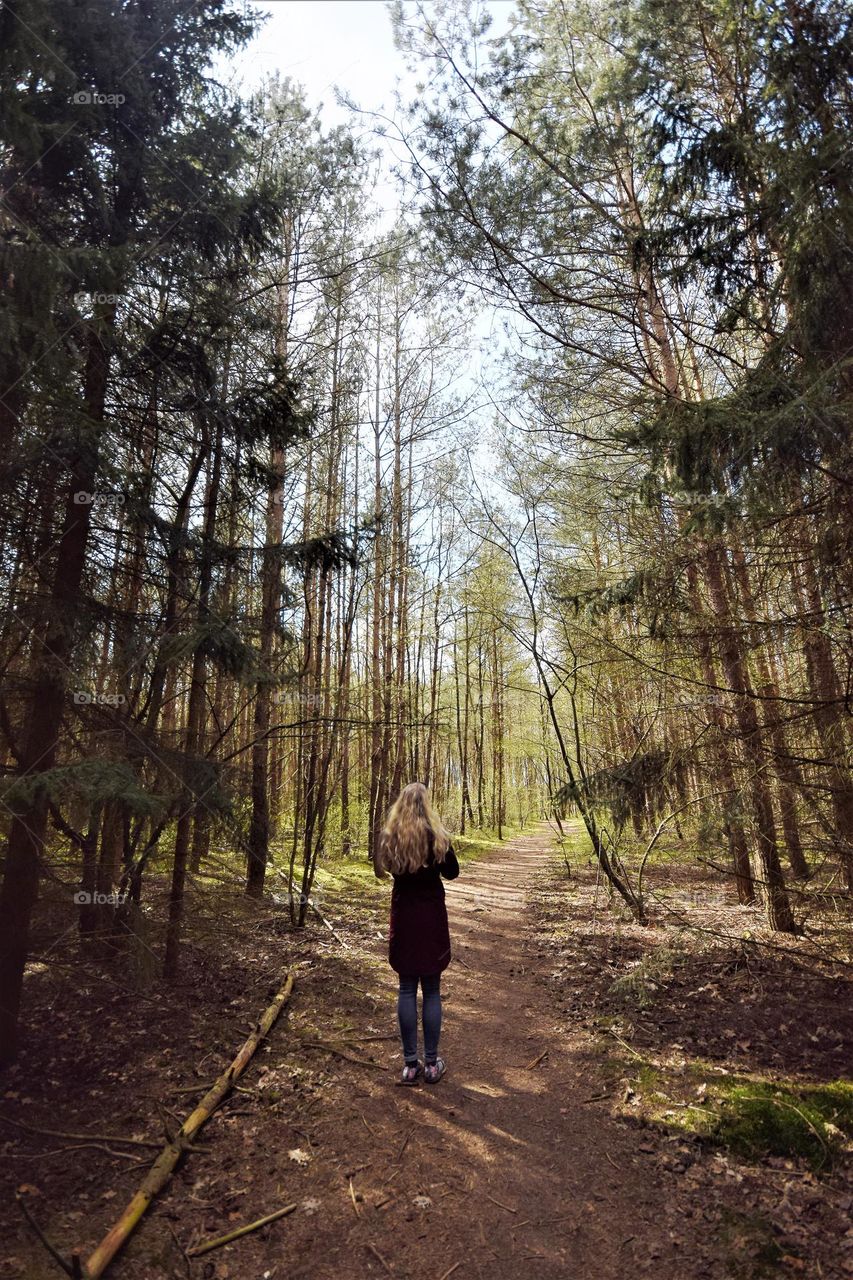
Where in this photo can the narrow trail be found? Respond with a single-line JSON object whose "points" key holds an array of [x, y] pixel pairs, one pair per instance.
{"points": [[525, 1174]]}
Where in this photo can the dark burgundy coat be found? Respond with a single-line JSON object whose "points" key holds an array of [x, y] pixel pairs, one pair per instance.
{"points": [[419, 937]]}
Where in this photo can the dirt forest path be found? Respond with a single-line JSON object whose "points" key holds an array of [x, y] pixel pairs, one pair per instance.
{"points": [[525, 1175]]}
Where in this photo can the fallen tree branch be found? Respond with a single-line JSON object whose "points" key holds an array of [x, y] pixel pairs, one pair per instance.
{"points": [[169, 1157], [361, 1039], [78, 1146], [332, 931], [240, 1231], [82, 1137], [316, 911], [341, 1053], [310, 1037]]}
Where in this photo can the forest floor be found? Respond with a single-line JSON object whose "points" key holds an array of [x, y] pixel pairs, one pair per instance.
{"points": [[558, 1144]]}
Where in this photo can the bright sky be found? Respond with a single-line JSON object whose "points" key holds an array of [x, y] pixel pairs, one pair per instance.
{"points": [[336, 43], [326, 44]]}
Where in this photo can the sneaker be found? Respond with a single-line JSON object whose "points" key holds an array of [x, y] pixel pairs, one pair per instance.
{"points": [[433, 1071], [411, 1073]]}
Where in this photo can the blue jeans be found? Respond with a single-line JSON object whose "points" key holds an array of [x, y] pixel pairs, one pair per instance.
{"points": [[407, 1015]]}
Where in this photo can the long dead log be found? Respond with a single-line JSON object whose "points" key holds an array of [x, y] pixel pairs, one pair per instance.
{"points": [[164, 1165]]}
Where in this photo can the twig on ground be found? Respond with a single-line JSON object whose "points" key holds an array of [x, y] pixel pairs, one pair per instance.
{"points": [[310, 1038], [240, 1231], [625, 1045], [377, 1254], [77, 1146], [83, 1137], [501, 1204], [361, 1039], [485, 1244], [54, 1253], [372, 1132], [341, 1053], [405, 1144], [182, 1250]]}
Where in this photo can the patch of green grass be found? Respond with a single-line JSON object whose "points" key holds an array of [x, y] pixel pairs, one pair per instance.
{"points": [[754, 1118], [574, 845], [346, 875], [761, 1118], [475, 844]]}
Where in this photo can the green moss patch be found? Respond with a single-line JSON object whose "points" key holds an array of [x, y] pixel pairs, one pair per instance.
{"points": [[750, 1116], [758, 1118]]}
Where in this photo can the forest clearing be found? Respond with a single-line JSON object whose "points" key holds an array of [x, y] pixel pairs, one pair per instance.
{"points": [[439, 463]]}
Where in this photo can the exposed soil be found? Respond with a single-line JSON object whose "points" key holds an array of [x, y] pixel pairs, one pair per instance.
{"points": [[523, 1161]]}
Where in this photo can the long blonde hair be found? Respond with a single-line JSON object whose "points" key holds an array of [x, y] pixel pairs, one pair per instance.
{"points": [[405, 837]]}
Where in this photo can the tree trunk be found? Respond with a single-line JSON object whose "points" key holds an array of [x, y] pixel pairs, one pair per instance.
{"points": [[47, 701], [777, 905]]}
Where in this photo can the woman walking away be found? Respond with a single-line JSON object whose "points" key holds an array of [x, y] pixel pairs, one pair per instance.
{"points": [[415, 848]]}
